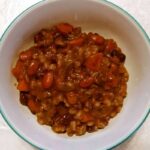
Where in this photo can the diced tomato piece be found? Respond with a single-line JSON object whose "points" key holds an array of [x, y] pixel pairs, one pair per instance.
{"points": [[23, 85], [25, 55], [94, 62], [97, 39], [33, 106], [86, 82], [76, 42], [71, 98], [33, 67], [47, 80], [64, 28]]}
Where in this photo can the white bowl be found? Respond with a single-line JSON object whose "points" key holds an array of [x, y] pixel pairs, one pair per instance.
{"points": [[96, 16]]}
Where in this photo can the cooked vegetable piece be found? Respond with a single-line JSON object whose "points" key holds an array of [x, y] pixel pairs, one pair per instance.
{"points": [[26, 55], [94, 62], [33, 106], [76, 42], [97, 39], [23, 85], [85, 83], [33, 67], [47, 80]]}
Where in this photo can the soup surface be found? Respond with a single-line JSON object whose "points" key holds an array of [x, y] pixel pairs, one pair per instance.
{"points": [[73, 81]]}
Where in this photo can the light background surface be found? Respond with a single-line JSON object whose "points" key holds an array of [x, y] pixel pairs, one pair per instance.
{"points": [[140, 9]]}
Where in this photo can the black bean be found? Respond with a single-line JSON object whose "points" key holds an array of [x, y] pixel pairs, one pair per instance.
{"points": [[114, 53], [24, 97], [122, 57], [118, 54]]}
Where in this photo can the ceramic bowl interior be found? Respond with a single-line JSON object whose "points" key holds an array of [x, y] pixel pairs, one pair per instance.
{"points": [[96, 16]]}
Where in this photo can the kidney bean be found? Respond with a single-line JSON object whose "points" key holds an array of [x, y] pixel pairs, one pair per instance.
{"points": [[76, 42], [47, 80], [26, 55], [64, 28]]}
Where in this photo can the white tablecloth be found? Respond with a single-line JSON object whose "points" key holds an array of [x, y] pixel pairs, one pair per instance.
{"points": [[9, 9]]}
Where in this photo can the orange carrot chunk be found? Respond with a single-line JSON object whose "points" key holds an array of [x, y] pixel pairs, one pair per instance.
{"points": [[17, 70], [23, 85]]}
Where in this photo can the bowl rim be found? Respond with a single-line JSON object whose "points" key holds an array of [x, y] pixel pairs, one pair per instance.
{"points": [[122, 11]]}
